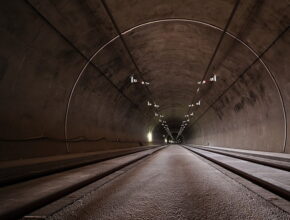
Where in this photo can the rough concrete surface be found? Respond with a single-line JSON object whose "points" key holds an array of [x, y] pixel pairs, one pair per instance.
{"points": [[24, 197], [172, 184]]}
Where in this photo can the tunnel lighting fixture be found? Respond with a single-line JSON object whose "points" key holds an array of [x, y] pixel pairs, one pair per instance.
{"points": [[160, 120], [145, 83], [198, 103], [164, 121], [191, 114], [201, 82], [191, 105], [156, 106], [149, 136], [133, 80], [197, 90], [188, 120], [161, 116], [213, 79], [156, 114], [186, 116], [149, 103]]}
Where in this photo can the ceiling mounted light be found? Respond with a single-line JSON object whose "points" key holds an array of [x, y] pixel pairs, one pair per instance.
{"points": [[198, 103], [145, 83], [191, 105], [133, 80], [191, 114], [213, 79], [201, 82], [149, 103]]}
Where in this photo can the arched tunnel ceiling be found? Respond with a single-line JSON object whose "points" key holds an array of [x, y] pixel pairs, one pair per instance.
{"points": [[171, 43], [172, 52]]}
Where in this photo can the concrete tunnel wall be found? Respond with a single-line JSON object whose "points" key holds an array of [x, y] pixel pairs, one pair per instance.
{"points": [[46, 46]]}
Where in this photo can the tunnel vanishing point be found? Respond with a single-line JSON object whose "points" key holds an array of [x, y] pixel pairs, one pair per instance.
{"points": [[96, 76]]}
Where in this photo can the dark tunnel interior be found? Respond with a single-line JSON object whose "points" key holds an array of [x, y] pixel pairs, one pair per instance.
{"points": [[95, 75]]}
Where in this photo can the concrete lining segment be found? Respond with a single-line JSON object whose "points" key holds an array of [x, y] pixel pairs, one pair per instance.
{"points": [[23, 198], [88, 62], [186, 21], [272, 179]]}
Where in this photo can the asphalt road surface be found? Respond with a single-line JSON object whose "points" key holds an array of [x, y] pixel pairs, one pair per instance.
{"points": [[172, 184]]}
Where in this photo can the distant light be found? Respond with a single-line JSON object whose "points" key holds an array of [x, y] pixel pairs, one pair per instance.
{"points": [[201, 82], [156, 114], [149, 103], [198, 103], [191, 105], [156, 106], [145, 83], [149, 136], [191, 114], [213, 79], [197, 90]]}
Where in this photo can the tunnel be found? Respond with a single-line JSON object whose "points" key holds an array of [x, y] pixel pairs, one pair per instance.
{"points": [[99, 76]]}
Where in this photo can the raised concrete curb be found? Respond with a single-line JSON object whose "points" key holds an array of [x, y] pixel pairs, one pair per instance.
{"points": [[256, 158], [50, 209], [22, 198], [273, 179], [22, 170]]}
